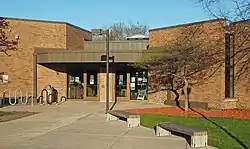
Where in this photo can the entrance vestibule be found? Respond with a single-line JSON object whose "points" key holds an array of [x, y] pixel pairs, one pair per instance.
{"points": [[88, 82]]}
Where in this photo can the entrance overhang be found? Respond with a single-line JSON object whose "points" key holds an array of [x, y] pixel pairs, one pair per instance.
{"points": [[86, 56]]}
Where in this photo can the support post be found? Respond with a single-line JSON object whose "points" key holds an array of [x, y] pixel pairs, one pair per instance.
{"points": [[107, 70]]}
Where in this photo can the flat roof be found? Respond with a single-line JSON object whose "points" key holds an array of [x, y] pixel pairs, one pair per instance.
{"points": [[187, 24], [57, 55], [241, 21], [47, 21]]}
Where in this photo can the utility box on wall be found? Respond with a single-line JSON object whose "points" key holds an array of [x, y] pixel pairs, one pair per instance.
{"points": [[4, 78]]}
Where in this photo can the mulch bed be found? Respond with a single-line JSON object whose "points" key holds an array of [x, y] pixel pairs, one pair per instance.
{"points": [[176, 111], [15, 116]]}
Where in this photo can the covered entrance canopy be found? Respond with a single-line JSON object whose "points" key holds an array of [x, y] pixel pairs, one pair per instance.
{"points": [[85, 56], [90, 58]]}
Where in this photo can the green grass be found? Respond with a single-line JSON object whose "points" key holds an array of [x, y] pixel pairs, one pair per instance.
{"points": [[4, 113], [224, 133]]}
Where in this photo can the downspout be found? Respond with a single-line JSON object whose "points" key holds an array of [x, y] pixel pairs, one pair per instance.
{"points": [[35, 75]]}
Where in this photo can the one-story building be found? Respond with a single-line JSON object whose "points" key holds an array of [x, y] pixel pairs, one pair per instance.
{"points": [[65, 56]]}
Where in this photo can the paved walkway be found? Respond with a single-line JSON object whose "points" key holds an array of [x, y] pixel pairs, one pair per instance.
{"points": [[77, 124]]}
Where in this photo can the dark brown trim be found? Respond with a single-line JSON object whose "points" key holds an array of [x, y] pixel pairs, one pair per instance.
{"points": [[35, 75], [62, 50], [187, 24], [47, 50], [47, 21]]}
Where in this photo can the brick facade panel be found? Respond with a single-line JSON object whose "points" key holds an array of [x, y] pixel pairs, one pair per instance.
{"points": [[75, 38], [242, 41], [211, 91], [54, 75], [19, 66]]}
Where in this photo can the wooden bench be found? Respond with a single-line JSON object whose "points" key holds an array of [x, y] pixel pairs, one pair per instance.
{"points": [[198, 137], [133, 120]]}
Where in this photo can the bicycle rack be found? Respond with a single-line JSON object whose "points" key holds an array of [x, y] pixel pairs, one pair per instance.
{"points": [[4, 92], [18, 95], [21, 96], [26, 97], [42, 101], [10, 102], [63, 97], [48, 98]]}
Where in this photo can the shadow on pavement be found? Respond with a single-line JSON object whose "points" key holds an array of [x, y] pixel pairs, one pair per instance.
{"points": [[225, 130]]}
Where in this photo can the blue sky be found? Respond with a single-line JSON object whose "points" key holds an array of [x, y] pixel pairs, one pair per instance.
{"points": [[98, 13]]}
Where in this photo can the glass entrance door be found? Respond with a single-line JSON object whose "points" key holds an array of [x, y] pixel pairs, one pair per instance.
{"points": [[75, 85], [121, 84], [139, 85], [92, 84]]}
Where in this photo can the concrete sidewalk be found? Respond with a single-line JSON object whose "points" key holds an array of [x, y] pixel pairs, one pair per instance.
{"points": [[74, 125]]}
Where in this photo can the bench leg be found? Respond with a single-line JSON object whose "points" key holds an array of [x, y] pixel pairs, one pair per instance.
{"points": [[111, 117], [162, 132], [199, 141], [133, 122]]}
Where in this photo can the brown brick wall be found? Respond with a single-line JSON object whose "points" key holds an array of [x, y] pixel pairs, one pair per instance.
{"points": [[241, 31], [211, 91], [75, 38], [55, 75], [204, 31], [19, 66]]}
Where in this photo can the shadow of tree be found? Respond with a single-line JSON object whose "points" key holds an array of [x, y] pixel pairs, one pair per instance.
{"points": [[112, 107], [225, 130]]}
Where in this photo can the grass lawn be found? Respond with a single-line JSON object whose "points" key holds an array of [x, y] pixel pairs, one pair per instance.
{"points": [[224, 133], [4, 113], [8, 116]]}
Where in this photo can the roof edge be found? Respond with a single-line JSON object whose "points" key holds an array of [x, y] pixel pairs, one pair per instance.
{"points": [[240, 21], [187, 24], [39, 50], [46, 21]]}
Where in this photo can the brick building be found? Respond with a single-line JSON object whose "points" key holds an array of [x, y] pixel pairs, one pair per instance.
{"points": [[221, 90], [64, 56]]}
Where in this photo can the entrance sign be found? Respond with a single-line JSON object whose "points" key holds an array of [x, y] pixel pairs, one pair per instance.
{"points": [[5, 78], [132, 79], [92, 80], [132, 86], [77, 79], [120, 82]]}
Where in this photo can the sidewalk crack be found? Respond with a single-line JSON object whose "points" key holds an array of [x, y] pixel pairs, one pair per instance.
{"points": [[119, 138]]}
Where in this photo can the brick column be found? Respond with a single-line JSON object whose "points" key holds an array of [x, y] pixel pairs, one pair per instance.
{"points": [[128, 86], [85, 85], [102, 85]]}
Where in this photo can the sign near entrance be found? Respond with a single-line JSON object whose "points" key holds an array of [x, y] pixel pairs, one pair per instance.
{"points": [[5, 78], [120, 82], [92, 80]]}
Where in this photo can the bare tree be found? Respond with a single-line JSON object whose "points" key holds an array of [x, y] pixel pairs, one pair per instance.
{"points": [[232, 10], [121, 30], [184, 62], [237, 14], [6, 44]]}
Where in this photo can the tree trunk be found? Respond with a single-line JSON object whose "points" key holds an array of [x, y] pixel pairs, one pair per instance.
{"points": [[186, 94]]}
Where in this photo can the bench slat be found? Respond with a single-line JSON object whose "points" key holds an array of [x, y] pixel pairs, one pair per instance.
{"points": [[124, 114], [181, 129]]}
